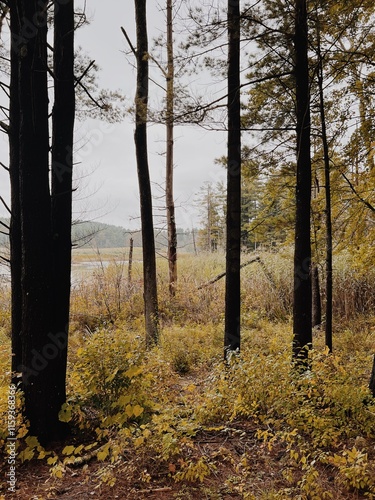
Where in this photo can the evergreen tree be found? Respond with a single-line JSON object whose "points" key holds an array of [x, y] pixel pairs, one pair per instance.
{"points": [[232, 335], [302, 308]]}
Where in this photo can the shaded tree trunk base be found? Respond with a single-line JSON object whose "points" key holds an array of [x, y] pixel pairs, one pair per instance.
{"points": [[372, 379], [316, 301]]}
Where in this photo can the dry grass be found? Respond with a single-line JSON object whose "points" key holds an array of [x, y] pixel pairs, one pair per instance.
{"points": [[267, 289], [251, 431]]}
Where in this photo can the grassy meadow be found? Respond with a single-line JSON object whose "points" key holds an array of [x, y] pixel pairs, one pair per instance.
{"points": [[174, 422]]}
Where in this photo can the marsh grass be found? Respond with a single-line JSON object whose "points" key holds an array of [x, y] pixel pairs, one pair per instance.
{"points": [[106, 295]]}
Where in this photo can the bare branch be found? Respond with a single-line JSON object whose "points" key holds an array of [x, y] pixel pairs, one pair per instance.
{"points": [[5, 259], [353, 189], [150, 56], [207, 107], [78, 80], [5, 127], [221, 275], [129, 41], [5, 205]]}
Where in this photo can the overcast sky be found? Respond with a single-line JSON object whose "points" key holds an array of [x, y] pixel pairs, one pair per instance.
{"points": [[108, 190], [113, 160], [106, 170]]}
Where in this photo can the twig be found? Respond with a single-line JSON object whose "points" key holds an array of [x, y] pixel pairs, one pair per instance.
{"points": [[365, 202], [4, 225], [150, 491], [4, 126], [78, 461], [129, 41], [4, 259], [6, 206], [207, 107], [78, 80], [132, 48]]}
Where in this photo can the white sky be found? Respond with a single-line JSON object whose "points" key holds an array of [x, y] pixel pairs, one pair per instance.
{"points": [[109, 188], [113, 159]]}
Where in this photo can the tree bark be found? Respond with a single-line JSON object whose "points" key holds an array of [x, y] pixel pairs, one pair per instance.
{"points": [[171, 222], [232, 335], [15, 221], [316, 301], [302, 309], [61, 182], [130, 263], [327, 179], [372, 379], [38, 349], [140, 139]]}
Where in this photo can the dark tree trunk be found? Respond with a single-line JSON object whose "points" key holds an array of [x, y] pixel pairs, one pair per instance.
{"points": [[39, 350], [316, 301], [302, 329], [327, 179], [233, 217], [171, 222], [61, 181], [130, 265], [140, 139], [372, 379], [15, 221]]}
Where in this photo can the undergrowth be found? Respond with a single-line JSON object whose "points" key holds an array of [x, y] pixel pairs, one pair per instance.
{"points": [[251, 427]]}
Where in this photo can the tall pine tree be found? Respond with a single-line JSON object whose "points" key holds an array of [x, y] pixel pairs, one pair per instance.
{"points": [[232, 335]]}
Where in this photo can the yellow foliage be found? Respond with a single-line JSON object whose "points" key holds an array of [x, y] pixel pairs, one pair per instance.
{"points": [[65, 413], [68, 450], [156, 404], [103, 453]]}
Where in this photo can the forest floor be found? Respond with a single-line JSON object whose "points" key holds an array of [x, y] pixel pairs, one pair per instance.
{"points": [[34, 481], [180, 424], [139, 477]]}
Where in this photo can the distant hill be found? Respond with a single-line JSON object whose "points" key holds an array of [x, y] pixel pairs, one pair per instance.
{"points": [[99, 235]]}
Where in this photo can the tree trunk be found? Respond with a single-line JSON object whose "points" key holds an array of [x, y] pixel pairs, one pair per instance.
{"points": [[302, 329], [130, 263], [233, 216], [209, 219], [327, 179], [61, 181], [171, 222], [316, 301], [194, 243], [15, 221], [372, 379], [39, 345], [140, 139]]}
